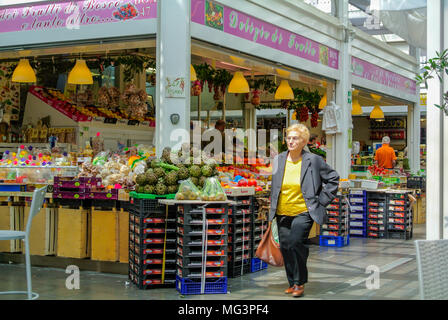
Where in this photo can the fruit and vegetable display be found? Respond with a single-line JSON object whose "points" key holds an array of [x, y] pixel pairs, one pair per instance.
{"points": [[188, 191], [82, 111], [212, 190]]}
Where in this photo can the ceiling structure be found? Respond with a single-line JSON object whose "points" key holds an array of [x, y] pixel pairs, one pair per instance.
{"points": [[362, 17]]}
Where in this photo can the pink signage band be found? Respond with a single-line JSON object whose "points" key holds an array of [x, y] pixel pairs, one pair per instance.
{"points": [[228, 20], [369, 71], [75, 13]]}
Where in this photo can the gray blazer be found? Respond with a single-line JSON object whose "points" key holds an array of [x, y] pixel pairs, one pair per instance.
{"points": [[318, 181]]}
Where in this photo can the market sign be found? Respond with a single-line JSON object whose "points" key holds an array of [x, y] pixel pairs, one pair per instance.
{"points": [[244, 26], [369, 71], [73, 14]]}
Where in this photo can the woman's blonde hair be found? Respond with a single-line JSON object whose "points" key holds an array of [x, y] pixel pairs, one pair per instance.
{"points": [[301, 129]]}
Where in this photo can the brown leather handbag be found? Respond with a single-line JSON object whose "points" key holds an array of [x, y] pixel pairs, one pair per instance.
{"points": [[269, 250]]}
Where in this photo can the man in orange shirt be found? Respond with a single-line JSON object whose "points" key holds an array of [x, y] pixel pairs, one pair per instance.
{"points": [[385, 156]]}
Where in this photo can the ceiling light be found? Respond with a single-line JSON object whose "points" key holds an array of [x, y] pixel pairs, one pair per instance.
{"points": [[238, 84], [284, 91], [377, 113], [23, 72], [356, 107], [193, 76], [80, 73]]}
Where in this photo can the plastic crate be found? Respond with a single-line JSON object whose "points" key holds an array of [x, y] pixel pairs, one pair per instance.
{"points": [[12, 188], [256, 265], [145, 284], [331, 241], [237, 269], [186, 286]]}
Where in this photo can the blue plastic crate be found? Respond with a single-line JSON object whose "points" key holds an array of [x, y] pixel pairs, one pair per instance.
{"points": [[362, 233], [11, 188], [332, 241], [257, 265], [187, 286]]}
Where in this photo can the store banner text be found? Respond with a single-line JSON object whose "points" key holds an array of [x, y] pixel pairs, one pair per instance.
{"points": [[73, 14], [244, 26]]}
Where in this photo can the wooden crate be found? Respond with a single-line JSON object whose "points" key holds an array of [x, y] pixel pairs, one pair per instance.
{"points": [[43, 231], [11, 218], [123, 237], [74, 231], [105, 235]]}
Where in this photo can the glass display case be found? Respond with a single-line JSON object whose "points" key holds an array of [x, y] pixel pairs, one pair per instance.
{"points": [[35, 174]]}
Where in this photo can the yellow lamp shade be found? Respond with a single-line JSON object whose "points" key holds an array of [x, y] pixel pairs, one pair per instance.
{"points": [[323, 101], [375, 97], [23, 72], [80, 73], [377, 113], [356, 107], [193, 76], [284, 91], [238, 84]]}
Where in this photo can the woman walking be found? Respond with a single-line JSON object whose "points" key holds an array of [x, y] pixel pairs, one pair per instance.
{"points": [[303, 185]]}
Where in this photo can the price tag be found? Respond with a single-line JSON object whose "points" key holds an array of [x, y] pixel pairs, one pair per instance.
{"points": [[133, 122], [110, 120], [98, 119], [144, 124], [123, 121]]}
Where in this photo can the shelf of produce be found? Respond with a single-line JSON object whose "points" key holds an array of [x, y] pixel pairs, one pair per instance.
{"points": [[175, 202]]}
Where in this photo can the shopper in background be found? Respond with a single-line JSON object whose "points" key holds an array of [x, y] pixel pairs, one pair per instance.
{"points": [[303, 184], [385, 155], [312, 142]]}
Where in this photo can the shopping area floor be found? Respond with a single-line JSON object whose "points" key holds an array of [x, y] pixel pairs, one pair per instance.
{"points": [[334, 273]]}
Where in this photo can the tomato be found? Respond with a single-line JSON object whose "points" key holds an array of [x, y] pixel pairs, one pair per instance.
{"points": [[242, 183]]}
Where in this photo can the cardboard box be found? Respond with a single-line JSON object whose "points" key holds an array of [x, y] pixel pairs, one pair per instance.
{"points": [[74, 231], [11, 218], [43, 233], [105, 234], [123, 236]]}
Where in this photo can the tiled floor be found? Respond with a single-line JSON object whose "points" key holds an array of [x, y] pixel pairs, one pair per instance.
{"points": [[334, 273]]}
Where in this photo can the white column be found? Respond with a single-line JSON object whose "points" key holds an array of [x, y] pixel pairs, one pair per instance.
{"points": [[340, 146], [173, 61], [436, 153]]}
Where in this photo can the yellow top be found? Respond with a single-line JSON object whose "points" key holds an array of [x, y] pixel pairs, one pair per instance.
{"points": [[291, 201]]}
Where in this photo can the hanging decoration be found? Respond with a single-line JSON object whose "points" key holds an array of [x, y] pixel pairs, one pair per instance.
{"points": [[135, 101], [134, 64], [221, 81]]}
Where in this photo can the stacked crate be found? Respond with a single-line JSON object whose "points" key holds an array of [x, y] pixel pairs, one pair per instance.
{"points": [[240, 236], [358, 213], [335, 229], [376, 215], [152, 244], [399, 216], [259, 218], [202, 231]]}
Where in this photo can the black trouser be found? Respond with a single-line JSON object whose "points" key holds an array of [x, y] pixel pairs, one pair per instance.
{"points": [[293, 232]]}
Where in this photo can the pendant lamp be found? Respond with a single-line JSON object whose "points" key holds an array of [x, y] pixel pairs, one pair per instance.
{"points": [[193, 76], [80, 73], [323, 100], [356, 107], [23, 72], [284, 91], [238, 84], [377, 113]]}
